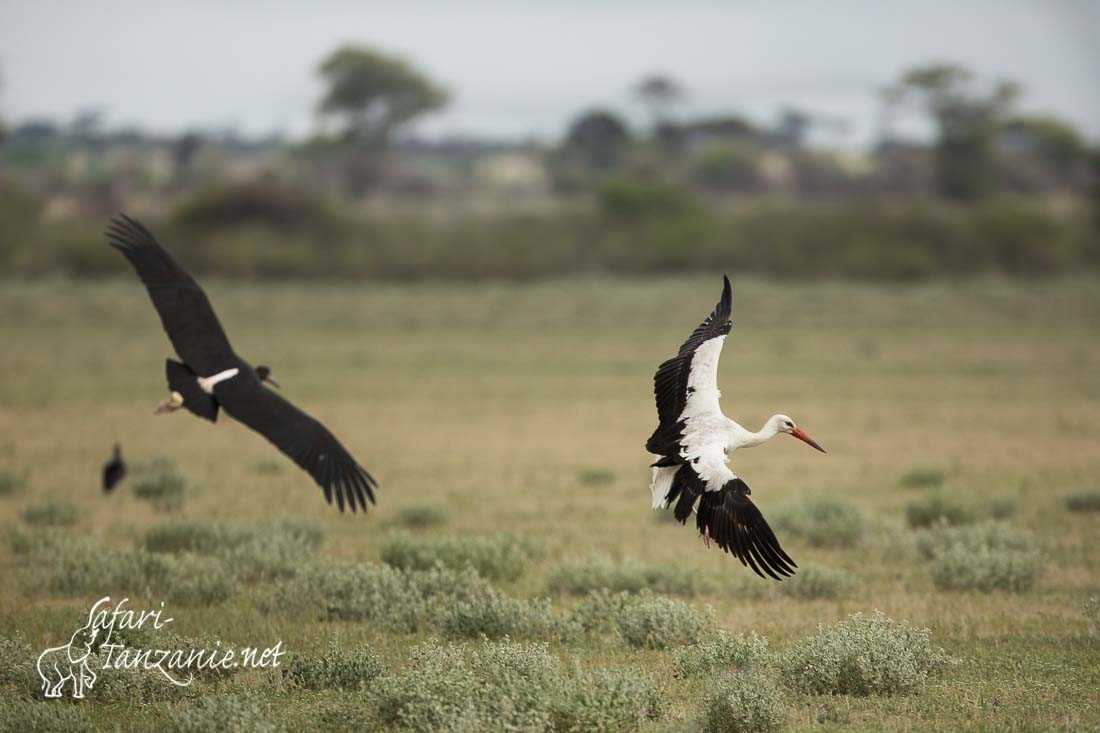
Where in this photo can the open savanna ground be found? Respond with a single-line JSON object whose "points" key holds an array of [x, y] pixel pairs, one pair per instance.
{"points": [[506, 424]]}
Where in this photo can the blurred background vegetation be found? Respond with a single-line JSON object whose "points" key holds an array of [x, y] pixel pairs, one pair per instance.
{"points": [[992, 190]]}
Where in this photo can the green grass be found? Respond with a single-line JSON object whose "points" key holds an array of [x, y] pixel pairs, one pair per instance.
{"points": [[492, 402]]}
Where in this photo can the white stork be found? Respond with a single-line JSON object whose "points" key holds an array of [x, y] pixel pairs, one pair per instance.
{"points": [[691, 447]]}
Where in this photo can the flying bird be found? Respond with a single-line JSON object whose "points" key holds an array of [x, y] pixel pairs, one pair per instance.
{"points": [[691, 447], [210, 375], [114, 470]]}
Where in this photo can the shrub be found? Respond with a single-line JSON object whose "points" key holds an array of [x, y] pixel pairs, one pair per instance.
{"points": [[269, 466], [496, 558], [985, 570], [347, 669], [495, 615], [10, 483], [657, 622], [745, 702], [1084, 501], [999, 507], [502, 686], [823, 522], [36, 540], [598, 573], [938, 507], [191, 580], [44, 716], [987, 535], [722, 654], [18, 671], [605, 700], [508, 685], [270, 551], [595, 476], [863, 656], [51, 513], [162, 484], [374, 593], [1092, 612], [815, 581], [213, 713], [421, 517], [81, 567], [600, 611], [923, 478], [199, 536]]}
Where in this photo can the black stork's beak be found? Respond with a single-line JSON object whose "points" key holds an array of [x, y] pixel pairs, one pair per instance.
{"points": [[801, 435]]}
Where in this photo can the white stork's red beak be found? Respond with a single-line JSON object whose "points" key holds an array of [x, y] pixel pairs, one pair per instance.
{"points": [[801, 435]]}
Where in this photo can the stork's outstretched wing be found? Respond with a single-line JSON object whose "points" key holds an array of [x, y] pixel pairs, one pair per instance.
{"points": [[184, 310], [686, 385], [725, 513], [304, 439]]}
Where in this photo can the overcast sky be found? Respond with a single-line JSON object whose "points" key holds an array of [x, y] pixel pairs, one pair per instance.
{"points": [[524, 68]]}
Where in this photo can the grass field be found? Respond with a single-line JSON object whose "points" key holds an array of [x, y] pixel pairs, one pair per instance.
{"points": [[521, 410]]}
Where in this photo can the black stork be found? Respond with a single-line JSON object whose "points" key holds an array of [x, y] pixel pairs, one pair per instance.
{"points": [[114, 470], [691, 444], [212, 376]]}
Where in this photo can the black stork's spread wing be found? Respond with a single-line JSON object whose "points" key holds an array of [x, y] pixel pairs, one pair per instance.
{"points": [[184, 310], [690, 460], [304, 439], [199, 340]]}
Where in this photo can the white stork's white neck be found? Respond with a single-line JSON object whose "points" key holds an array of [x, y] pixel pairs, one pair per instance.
{"points": [[744, 438], [206, 384]]}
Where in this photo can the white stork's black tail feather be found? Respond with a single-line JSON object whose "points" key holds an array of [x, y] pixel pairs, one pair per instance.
{"points": [[182, 380], [732, 521]]}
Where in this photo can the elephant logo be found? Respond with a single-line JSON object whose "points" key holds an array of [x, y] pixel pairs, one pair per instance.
{"points": [[60, 664]]}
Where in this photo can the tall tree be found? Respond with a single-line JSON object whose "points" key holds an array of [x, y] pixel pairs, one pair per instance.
{"points": [[374, 94], [967, 120], [598, 138], [660, 93]]}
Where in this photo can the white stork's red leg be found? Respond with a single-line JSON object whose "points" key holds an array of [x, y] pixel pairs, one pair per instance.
{"points": [[706, 535]]}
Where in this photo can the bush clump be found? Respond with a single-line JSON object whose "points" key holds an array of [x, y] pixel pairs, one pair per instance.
{"points": [[863, 656], [823, 522], [595, 476], [345, 669], [983, 557], [1084, 501], [985, 570], [723, 653], [495, 615], [938, 508], [923, 478], [605, 700], [42, 716], [579, 577], [746, 702], [18, 671], [212, 713], [657, 622], [10, 483], [495, 558], [987, 535], [815, 582], [424, 516], [507, 685], [51, 513], [162, 484]]}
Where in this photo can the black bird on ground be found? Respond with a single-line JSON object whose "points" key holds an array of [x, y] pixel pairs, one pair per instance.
{"points": [[212, 376], [114, 470], [691, 448]]}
